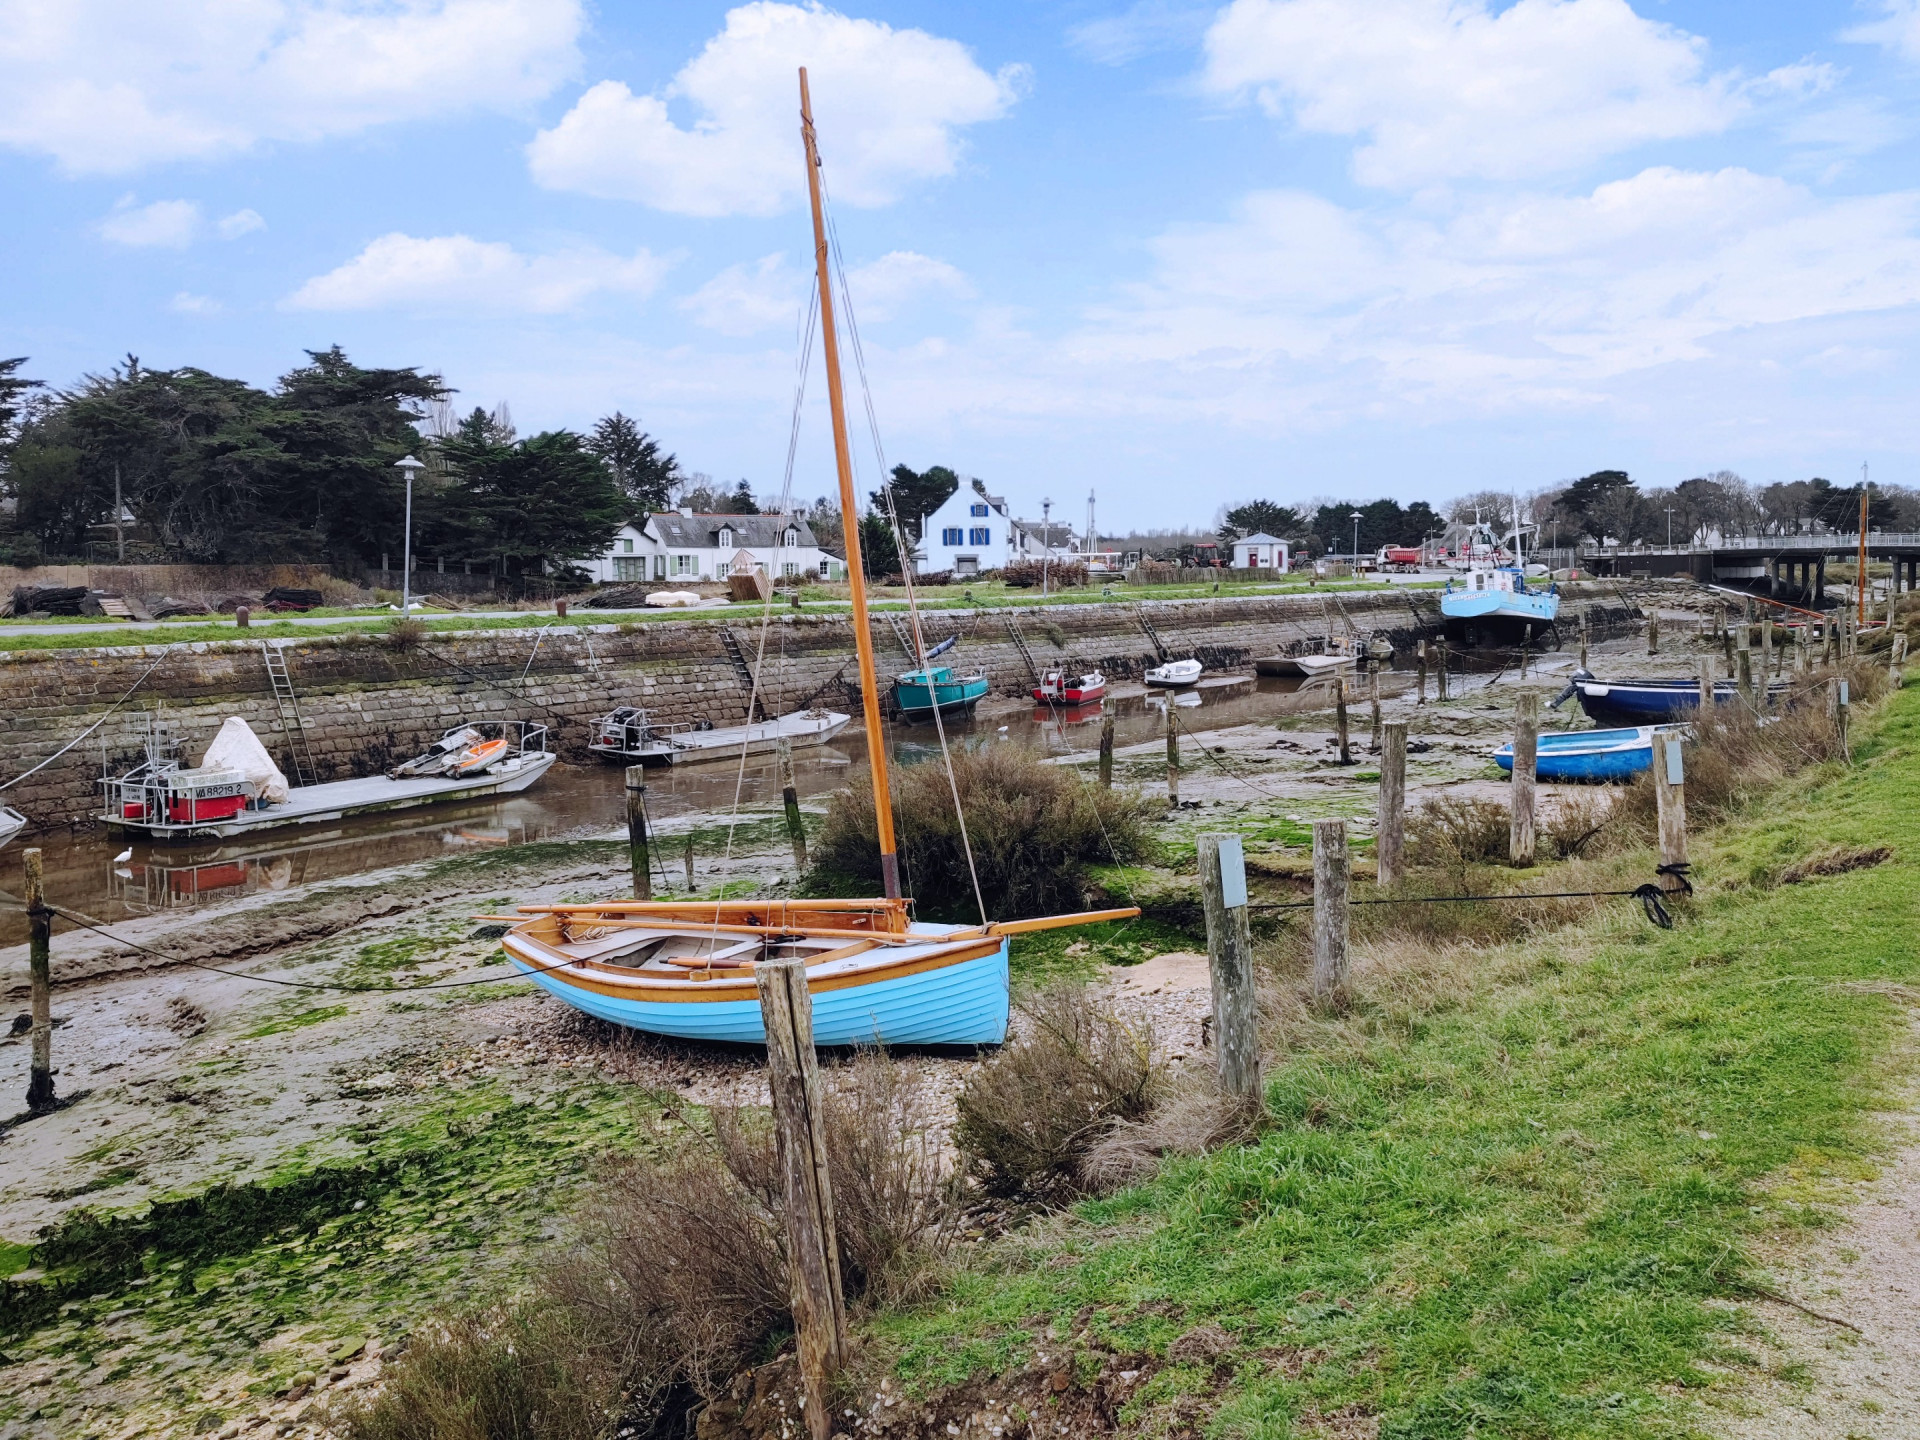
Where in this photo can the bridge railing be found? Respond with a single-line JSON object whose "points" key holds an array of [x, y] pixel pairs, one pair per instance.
{"points": [[1832, 541]]}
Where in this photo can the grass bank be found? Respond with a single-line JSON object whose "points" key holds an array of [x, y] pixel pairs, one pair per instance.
{"points": [[1512, 1190]]}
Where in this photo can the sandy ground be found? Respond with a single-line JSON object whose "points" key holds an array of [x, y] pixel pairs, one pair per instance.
{"points": [[1822, 1380]]}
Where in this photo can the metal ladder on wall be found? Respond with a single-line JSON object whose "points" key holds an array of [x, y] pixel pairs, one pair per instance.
{"points": [[1147, 625], [1020, 644], [900, 634], [291, 724], [756, 709]]}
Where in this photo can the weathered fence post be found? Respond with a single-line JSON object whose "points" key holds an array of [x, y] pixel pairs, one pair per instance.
{"points": [[1173, 758], [1223, 892], [1106, 751], [1802, 651], [1584, 630], [1837, 691], [1340, 718], [1744, 675], [1897, 659], [813, 1252], [637, 832], [1390, 843], [790, 799], [40, 979], [1422, 653], [1706, 685], [1330, 912], [1726, 634], [1441, 678], [1653, 632], [1766, 647], [1526, 744], [1373, 688], [1670, 799], [689, 862]]}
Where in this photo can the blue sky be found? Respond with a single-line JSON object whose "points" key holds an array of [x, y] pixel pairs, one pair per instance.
{"points": [[1179, 254]]}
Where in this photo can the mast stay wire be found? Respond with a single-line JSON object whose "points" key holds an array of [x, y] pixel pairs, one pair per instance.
{"points": [[900, 541]]}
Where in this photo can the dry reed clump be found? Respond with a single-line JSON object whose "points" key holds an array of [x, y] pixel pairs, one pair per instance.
{"points": [[405, 633], [1193, 1116], [1455, 832], [678, 1278], [1034, 828], [1734, 753], [1579, 826], [1029, 1118]]}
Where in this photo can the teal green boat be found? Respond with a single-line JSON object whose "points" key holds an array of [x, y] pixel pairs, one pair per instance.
{"points": [[917, 693]]}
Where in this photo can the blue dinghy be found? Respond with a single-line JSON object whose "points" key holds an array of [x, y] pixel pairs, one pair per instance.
{"points": [[1640, 702], [1587, 754]]}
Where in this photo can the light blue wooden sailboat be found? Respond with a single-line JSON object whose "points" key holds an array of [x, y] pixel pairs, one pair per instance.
{"points": [[917, 693]]}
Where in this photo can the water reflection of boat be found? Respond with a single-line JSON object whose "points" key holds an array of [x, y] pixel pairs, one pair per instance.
{"points": [[1044, 715], [165, 800], [627, 734]]}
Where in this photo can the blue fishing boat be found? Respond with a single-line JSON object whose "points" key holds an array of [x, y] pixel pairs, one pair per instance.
{"points": [[918, 693], [1587, 754], [1641, 702], [1493, 600]]}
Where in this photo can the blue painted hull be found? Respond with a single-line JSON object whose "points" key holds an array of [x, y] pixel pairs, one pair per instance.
{"points": [[1591, 755], [914, 698], [1500, 605], [960, 1004], [1641, 702]]}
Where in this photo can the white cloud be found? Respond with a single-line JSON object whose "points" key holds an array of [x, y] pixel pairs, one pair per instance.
{"points": [[241, 222], [881, 288], [1897, 29], [187, 303], [887, 104], [171, 223], [1517, 301], [1142, 28], [748, 299], [402, 272], [1440, 89], [103, 86]]}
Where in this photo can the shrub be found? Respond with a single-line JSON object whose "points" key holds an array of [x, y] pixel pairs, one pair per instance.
{"points": [[1033, 828], [1457, 831], [1193, 1116], [1029, 1117], [1576, 826], [1025, 574], [405, 633]]}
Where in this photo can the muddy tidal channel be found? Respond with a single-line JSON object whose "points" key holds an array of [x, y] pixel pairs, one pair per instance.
{"points": [[260, 1181]]}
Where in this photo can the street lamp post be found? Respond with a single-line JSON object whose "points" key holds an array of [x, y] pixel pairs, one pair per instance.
{"points": [[1356, 542], [1669, 527], [1046, 542], [407, 467]]}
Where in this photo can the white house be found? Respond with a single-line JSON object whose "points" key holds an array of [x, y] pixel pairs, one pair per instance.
{"points": [[1259, 551], [971, 533], [677, 545]]}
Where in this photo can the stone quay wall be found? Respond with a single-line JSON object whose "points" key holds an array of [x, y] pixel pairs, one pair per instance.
{"points": [[367, 703]]}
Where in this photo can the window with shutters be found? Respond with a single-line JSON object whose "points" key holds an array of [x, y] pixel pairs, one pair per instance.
{"points": [[951, 535], [629, 567], [980, 535], [626, 546], [978, 511], [686, 564]]}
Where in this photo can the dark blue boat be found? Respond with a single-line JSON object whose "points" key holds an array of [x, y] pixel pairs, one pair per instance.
{"points": [[1646, 702]]}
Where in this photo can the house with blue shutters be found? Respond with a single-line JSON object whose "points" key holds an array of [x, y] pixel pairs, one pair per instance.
{"points": [[971, 533]]}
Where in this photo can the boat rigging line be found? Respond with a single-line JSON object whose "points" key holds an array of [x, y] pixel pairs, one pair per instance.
{"points": [[138, 682]]}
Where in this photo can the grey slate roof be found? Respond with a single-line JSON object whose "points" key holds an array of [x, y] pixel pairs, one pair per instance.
{"points": [[702, 532]]}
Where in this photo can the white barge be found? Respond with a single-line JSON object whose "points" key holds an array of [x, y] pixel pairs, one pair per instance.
{"points": [[162, 799], [627, 734]]}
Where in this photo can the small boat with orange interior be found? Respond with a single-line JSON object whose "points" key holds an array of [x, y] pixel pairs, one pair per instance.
{"points": [[875, 975], [1063, 687]]}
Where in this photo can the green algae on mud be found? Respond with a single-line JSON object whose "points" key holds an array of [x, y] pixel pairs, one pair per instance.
{"points": [[196, 1286], [1515, 1202]]}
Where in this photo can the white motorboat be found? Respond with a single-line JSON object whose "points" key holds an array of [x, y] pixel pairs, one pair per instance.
{"points": [[12, 822], [627, 734], [1174, 674]]}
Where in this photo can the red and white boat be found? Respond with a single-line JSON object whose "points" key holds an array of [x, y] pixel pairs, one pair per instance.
{"points": [[1060, 687]]}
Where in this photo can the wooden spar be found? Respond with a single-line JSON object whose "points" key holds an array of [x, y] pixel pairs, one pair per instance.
{"points": [[618, 916], [850, 515], [1863, 546]]}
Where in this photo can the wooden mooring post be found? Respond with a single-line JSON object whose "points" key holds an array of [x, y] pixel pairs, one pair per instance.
{"points": [[790, 800], [1585, 630], [1526, 744], [1767, 661], [1173, 757], [1106, 751], [1743, 674], [813, 1252], [1653, 632], [689, 862], [1373, 700], [1838, 708], [1726, 633], [637, 832], [1440, 679], [1340, 718], [1670, 800], [40, 1100], [1526, 645], [1706, 684], [1223, 893], [1421, 695], [1389, 846], [1330, 918]]}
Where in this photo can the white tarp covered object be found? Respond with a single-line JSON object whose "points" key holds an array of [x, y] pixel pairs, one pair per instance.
{"points": [[671, 599], [236, 747]]}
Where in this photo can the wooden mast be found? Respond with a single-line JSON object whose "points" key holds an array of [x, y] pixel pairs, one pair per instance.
{"points": [[850, 517]]}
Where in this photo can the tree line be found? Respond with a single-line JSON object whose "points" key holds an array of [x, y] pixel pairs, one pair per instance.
{"points": [[213, 470]]}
